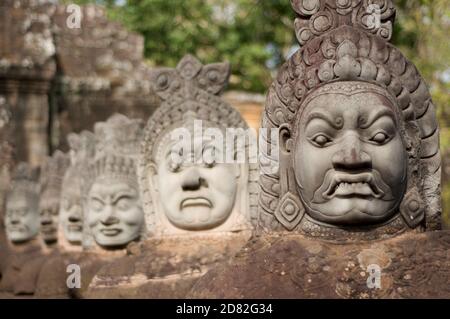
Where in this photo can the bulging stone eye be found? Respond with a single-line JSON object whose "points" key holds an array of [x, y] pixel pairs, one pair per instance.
{"points": [[321, 140], [380, 138], [124, 204], [208, 158]]}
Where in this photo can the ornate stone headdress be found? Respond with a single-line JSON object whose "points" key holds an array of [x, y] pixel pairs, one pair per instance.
{"points": [[117, 144], [82, 152], [344, 41], [52, 174], [25, 180], [82, 147], [190, 90]]}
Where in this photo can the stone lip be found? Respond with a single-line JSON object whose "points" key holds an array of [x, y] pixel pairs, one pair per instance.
{"points": [[292, 266]]}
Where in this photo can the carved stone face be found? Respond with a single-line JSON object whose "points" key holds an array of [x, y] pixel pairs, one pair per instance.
{"points": [[71, 217], [196, 196], [349, 159], [115, 215], [49, 216], [21, 219]]}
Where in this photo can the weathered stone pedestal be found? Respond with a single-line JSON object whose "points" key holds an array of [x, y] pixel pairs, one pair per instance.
{"points": [[293, 266], [165, 268], [53, 275], [21, 271]]}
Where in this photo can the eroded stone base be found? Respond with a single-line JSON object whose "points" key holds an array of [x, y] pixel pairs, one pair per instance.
{"points": [[165, 268], [292, 266]]}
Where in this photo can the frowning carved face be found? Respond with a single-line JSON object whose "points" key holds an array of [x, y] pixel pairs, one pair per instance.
{"points": [[196, 193], [349, 159]]}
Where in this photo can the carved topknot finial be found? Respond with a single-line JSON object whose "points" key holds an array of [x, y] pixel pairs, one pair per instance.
{"points": [[190, 73], [119, 135], [25, 179], [82, 147], [52, 173], [316, 17]]}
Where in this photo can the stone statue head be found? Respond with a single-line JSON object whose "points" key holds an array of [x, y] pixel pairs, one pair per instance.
{"points": [[52, 174], [358, 136], [188, 185], [114, 215], [82, 149], [22, 205]]}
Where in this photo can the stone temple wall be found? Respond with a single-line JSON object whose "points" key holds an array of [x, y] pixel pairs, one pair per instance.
{"points": [[59, 79]]}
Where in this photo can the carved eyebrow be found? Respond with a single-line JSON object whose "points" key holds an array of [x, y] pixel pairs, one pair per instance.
{"points": [[375, 116], [326, 118]]}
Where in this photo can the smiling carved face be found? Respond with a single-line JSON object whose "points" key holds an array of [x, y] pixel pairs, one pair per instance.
{"points": [[349, 159], [115, 215], [71, 218], [196, 192]]}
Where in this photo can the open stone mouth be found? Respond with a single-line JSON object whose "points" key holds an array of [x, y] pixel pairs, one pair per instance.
{"points": [[75, 227], [353, 185], [195, 201]]}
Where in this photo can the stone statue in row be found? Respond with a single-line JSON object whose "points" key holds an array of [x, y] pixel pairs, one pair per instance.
{"points": [[119, 186], [151, 210]]}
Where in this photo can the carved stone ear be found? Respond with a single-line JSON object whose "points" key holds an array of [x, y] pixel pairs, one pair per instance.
{"points": [[290, 211], [412, 208], [285, 139]]}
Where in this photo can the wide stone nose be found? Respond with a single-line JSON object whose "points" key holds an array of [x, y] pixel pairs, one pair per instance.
{"points": [[192, 180], [351, 156], [14, 220], [108, 216]]}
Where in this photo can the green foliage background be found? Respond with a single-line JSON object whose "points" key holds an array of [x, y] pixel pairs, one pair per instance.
{"points": [[257, 35]]}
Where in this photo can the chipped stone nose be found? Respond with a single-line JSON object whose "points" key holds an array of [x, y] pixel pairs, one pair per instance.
{"points": [[351, 156], [46, 220]]}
